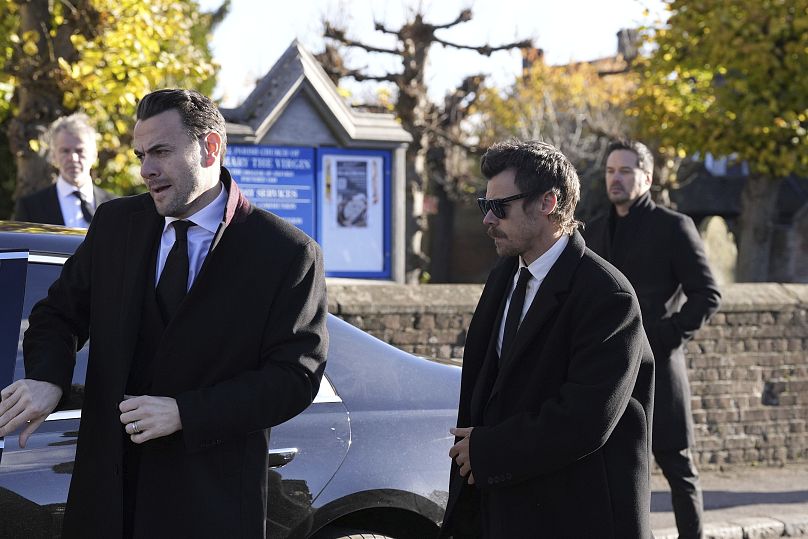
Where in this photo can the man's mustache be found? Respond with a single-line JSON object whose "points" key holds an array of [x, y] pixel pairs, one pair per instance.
{"points": [[494, 233]]}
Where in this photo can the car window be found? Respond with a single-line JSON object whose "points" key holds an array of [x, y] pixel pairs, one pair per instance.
{"points": [[40, 277]]}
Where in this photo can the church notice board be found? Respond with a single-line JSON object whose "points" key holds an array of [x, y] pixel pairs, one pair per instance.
{"points": [[339, 197], [13, 270]]}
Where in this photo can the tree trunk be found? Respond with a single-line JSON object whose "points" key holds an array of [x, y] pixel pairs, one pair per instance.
{"points": [[755, 226], [39, 100], [39, 94], [416, 222], [441, 235]]}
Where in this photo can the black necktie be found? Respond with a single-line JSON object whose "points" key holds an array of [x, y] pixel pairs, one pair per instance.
{"points": [[515, 311], [173, 284], [86, 210]]}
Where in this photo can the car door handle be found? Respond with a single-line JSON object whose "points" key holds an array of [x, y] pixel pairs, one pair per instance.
{"points": [[281, 457]]}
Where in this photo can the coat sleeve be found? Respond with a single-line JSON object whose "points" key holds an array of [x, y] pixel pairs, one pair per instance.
{"points": [[291, 365], [691, 270], [59, 324], [607, 347]]}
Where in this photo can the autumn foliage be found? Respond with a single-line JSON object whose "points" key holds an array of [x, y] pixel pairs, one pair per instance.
{"points": [[730, 78], [98, 56]]}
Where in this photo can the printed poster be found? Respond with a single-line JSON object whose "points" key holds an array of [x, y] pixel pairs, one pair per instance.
{"points": [[352, 202]]}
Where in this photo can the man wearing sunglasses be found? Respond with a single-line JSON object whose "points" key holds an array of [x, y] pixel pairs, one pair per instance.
{"points": [[661, 254], [553, 433]]}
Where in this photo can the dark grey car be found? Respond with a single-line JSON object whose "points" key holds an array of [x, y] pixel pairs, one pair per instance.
{"points": [[370, 455]]}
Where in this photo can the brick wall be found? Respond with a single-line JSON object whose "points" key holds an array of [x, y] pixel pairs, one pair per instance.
{"points": [[748, 367]]}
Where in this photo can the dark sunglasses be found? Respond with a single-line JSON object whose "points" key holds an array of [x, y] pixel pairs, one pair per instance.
{"points": [[497, 205]]}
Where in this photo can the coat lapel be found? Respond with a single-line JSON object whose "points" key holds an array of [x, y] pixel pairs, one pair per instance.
{"points": [[236, 211], [141, 239], [549, 296], [490, 361], [52, 206], [629, 231]]}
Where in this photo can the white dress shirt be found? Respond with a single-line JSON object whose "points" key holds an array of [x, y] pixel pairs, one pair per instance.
{"points": [[207, 221], [70, 203], [538, 271]]}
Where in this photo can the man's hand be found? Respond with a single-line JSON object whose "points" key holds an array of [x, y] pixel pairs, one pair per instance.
{"points": [[27, 402], [146, 418], [460, 452]]}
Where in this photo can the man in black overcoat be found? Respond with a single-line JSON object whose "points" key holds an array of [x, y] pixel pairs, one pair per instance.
{"points": [[207, 323], [554, 424], [73, 198], [661, 254]]}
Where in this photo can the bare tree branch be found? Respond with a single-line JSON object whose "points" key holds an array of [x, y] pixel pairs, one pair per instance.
{"points": [[486, 50], [448, 137], [380, 27], [360, 76], [614, 71], [464, 16], [339, 35]]}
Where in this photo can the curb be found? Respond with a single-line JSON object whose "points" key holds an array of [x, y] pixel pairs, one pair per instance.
{"points": [[795, 525]]}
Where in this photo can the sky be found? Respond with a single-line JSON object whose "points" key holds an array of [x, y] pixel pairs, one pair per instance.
{"points": [[256, 32]]}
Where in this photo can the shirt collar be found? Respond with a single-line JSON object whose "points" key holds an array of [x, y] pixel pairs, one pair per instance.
{"points": [[541, 266], [65, 189], [208, 217]]}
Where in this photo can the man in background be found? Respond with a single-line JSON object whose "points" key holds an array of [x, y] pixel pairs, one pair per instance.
{"points": [[662, 255], [72, 200]]}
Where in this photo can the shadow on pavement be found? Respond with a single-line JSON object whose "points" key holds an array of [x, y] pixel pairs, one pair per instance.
{"points": [[721, 499]]}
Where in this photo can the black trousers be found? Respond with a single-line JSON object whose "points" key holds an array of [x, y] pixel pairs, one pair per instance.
{"points": [[688, 505]]}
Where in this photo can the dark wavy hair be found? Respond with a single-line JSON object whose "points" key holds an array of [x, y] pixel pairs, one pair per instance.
{"points": [[645, 159], [539, 167], [198, 113]]}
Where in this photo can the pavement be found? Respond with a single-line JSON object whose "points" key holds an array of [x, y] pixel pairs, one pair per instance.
{"points": [[743, 502]]}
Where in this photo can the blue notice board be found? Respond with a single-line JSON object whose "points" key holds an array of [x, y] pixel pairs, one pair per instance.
{"points": [[279, 179], [13, 269]]}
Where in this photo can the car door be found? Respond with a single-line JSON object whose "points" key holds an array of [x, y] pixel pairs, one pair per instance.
{"points": [[34, 481], [305, 452]]}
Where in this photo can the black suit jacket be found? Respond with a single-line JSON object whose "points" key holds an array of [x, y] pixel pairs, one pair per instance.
{"points": [[43, 205], [245, 351], [561, 440], [661, 254]]}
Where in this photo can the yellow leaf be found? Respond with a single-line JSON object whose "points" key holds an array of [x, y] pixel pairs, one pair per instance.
{"points": [[30, 48]]}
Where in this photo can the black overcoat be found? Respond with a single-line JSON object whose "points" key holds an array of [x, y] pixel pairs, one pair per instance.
{"points": [[661, 254], [244, 352], [43, 205], [561, 440]]}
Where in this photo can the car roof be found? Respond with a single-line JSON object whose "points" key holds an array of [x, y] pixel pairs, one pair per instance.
{"points": [[39, 238]]}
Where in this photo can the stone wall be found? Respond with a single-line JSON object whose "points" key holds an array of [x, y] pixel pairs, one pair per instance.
{"points": [[748, 367]]}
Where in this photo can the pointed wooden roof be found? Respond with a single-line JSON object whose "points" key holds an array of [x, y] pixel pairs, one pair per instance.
{"points": [[296, 75]]}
